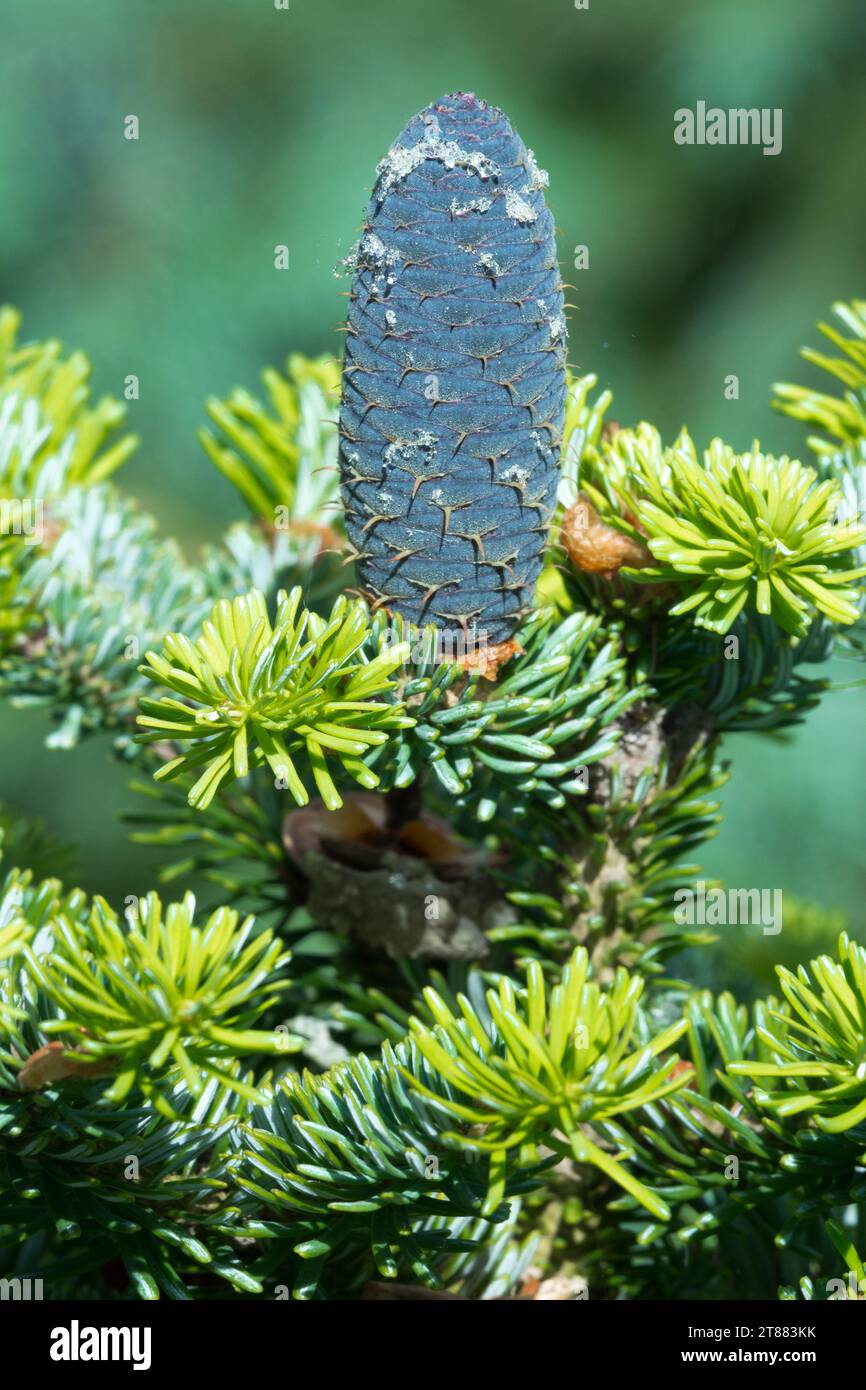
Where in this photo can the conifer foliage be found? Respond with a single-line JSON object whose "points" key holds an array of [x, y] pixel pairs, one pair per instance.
{"points": [[408, 1001]]}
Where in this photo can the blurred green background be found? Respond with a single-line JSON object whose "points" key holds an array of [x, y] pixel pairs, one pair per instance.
{"points": [[261, 126]]}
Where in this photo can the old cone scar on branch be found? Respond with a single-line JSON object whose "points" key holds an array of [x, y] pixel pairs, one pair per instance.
{"points": [[395, 876]]}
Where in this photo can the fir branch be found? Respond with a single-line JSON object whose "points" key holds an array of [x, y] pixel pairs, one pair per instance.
{"points": [[282, 458], [596, 729], [98, 590], [727, 531], [798, 1146], [539, 1064], [53, 438], [352, 1159], [134, 1001], [750, 680], [527, 738], [816, 1043], [733, 529], [83, 1186], [851, 1286], [843, 418], [255, 693]]}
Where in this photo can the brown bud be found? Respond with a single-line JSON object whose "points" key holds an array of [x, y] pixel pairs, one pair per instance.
{"points": [[488, 660], [52, 1063], [596, 548]]}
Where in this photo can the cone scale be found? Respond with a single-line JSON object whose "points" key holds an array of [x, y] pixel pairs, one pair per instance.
{"points": [[453, 390]]}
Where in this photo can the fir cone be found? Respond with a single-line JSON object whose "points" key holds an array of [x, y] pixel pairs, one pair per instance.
{"points": [[454, 377]]}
